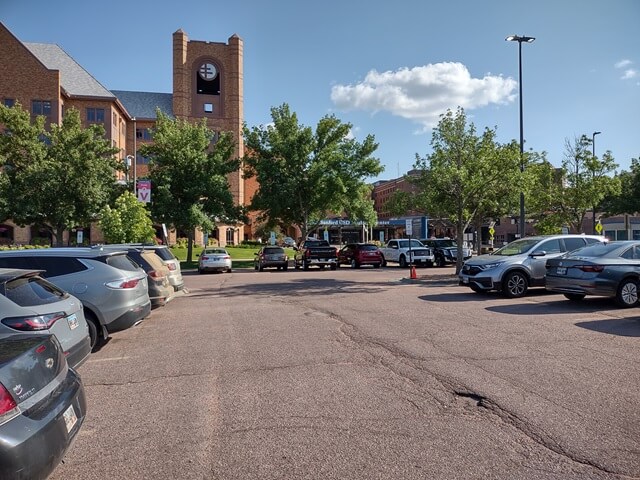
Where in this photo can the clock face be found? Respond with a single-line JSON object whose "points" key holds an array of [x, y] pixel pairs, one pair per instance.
{"points": [[207, 71]]}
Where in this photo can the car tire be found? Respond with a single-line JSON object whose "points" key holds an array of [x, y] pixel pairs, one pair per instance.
{"points": [[260, 268], [384, 262], [285, 268], [229, 270], [440, 261], [255, 267], [305, 265], [95, 332], [377, 265], [515, 285], [574, 297], [354, 264], [403, 261], [627, 294], [333, 266]]}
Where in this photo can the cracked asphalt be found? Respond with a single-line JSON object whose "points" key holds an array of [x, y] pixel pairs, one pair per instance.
{"points": [[363, 374]]}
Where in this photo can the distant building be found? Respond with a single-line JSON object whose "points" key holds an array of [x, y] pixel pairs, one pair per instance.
{"points": [[208, 80]]}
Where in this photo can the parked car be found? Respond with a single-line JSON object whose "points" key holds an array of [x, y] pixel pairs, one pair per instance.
{"points": [[42, 406], [520, 264], [160, 289], [406, 251], [271, 257], [609, 270], [445, 250], [214, 259], [358, 254], [30, 304], [113, 290], [289, 242], [315, 252], [167, 257]]}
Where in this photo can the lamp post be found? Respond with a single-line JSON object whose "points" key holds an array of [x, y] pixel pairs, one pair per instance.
{"points": [[593, 150], [520, 39]]}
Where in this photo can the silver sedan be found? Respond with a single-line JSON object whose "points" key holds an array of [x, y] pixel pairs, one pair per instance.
{"points": [[214, 259]]}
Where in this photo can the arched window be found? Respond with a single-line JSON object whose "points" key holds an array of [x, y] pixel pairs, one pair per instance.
{"points": [[208, 79]]}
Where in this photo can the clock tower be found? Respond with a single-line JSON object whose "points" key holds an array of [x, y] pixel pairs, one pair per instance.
{"points": [[208, 83]]}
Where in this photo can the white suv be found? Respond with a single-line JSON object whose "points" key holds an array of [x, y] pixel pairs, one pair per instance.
{"points": [[519, 265]]}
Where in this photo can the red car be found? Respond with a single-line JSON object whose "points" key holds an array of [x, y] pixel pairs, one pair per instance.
{"points": [[357, 254]]}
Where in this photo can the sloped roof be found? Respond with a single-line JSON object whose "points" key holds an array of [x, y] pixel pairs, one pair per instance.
{"points": [[73, 78], [144, 104]]}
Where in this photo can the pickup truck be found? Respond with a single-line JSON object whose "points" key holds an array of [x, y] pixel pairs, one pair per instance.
{"points": [[397, 251], [315, 252]]}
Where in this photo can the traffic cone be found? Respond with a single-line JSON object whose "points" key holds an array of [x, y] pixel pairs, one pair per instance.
{"points": [[414, 275]]}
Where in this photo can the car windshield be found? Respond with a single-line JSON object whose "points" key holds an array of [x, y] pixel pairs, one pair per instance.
{"points": [[445, 243], [414, 244], [517, 247]]}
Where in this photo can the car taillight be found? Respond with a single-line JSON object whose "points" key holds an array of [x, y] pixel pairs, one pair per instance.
{"points": [[154, 274], [133, 283], [33, 322], [204, 258], [171, 266], [8, 406], [590, 268], [307, 253], [226, 257]]}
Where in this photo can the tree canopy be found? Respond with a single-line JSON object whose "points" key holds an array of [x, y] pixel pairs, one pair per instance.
{"points": [[468, 175], [128, 221], [71, 168], [303, 174], [188, 169]]}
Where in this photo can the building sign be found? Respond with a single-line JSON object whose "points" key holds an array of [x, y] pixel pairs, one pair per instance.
{"points": [[144, 191]]}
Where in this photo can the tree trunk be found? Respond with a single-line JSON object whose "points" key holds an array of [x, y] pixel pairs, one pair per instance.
{"points": [[59, 234], [189, 245]]}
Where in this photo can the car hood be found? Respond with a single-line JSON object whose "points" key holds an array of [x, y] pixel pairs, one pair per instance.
{"points": [[488, 259]]}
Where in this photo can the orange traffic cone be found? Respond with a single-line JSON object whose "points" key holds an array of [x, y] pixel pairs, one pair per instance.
{"points": [[414, 275]]}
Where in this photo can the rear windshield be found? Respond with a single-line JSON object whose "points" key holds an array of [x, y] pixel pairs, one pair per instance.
{"points": [[164, 253], [152, 259], [212, 251], [29, 292], [272, 250], [122, 262], [368, 247], [596, 250]]}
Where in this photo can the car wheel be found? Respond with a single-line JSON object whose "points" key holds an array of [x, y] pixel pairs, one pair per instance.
{"points": [[200, 271], [285, 268], [627, 295], [440, 261], [305, 265], [574, 297], [403, 262], [229, 270], [260, 268], [255, 267], [515, 285], [95, 332], [354, 264], [376, 265], [384, 262], [333, 266]]}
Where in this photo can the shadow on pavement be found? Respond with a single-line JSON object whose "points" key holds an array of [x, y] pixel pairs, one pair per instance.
{"points": [[624, 327]]}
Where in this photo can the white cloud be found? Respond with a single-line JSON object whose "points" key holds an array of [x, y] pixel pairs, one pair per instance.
{"points": [[423, 93], [629, 73], [623, 63]]}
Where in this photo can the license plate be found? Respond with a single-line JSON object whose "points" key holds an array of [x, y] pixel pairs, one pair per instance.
{"points": [[70, 418], [561, 270], [73, 321]]}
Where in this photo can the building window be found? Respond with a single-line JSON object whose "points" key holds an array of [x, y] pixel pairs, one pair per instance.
{"points": [[140, 160], [143, 134], [208, 108], [41, 107], [115, 118], [95, 115], [208, 79], [9, 102]]}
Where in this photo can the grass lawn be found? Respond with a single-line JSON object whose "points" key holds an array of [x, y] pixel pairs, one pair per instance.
{"points": [[242, 257]]}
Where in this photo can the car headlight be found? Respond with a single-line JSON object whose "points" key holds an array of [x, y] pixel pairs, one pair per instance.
{"points": [[491, 265]]}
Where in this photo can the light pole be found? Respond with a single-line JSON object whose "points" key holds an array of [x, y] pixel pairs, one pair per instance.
{"points": [[593, 150], [520, 39]]}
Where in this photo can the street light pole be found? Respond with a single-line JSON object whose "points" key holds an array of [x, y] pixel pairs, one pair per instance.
{"points": [[520, 39], [593, 150]]}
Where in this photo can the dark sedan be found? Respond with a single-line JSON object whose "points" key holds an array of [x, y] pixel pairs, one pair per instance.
{"points": [[609, 270], [42, 406]]}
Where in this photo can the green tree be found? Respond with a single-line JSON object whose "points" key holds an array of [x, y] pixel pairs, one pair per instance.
{"points": [[628, 199], [304, 175], [188, 169], [466, 174], [128, 221], [71, 167]]}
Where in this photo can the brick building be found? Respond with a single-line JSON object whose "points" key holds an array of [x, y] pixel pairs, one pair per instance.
{"points": [[207, 83]]}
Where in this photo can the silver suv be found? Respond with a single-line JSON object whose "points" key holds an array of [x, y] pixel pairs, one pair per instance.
{"points": [[519, 265], [112, 289]]}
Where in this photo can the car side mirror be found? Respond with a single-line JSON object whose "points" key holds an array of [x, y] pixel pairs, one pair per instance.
{"points": [[539, 253]]}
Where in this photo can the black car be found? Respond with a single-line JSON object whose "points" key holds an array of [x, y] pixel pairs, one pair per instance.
{"points": [[42, 406], [445, 250]]}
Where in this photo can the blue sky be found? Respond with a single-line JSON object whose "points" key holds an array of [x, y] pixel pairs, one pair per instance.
{"points": [[388, 68]]}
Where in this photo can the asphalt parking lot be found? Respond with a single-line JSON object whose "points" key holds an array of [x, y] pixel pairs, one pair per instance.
{"points": [[363, 374]]}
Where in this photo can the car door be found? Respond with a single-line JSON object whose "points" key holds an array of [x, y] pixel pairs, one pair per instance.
{"points": [[538, 263]]}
